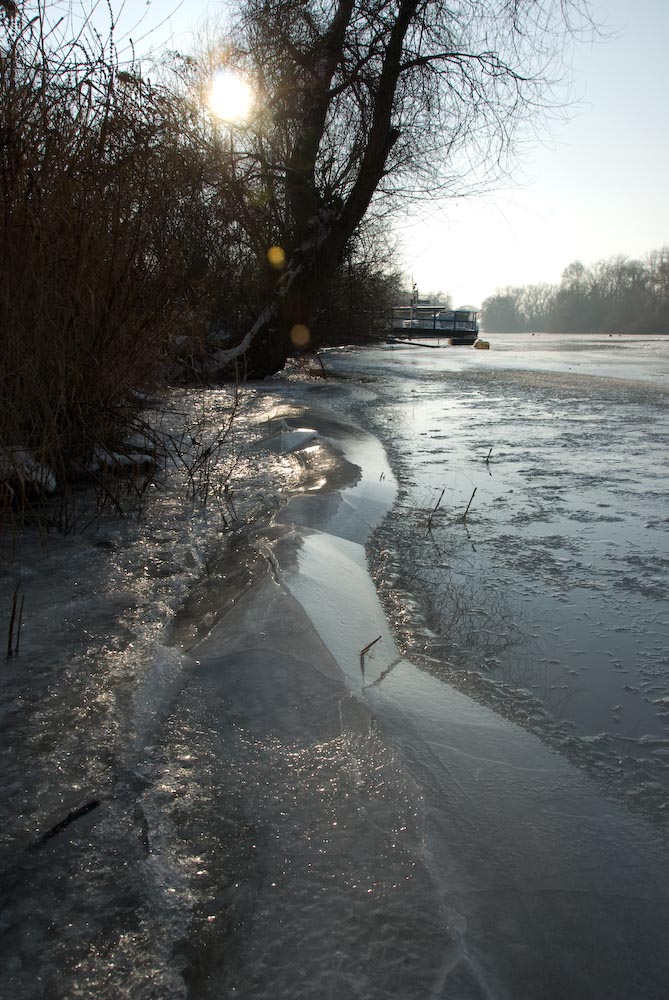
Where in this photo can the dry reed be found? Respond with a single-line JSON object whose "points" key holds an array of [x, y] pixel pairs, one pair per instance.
{"points": [[117, 233]]}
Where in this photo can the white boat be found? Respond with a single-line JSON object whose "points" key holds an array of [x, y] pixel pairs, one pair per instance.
{"points": [[411, 324]]}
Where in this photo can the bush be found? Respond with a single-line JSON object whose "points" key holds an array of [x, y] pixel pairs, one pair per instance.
{"points": [[116, 235]]}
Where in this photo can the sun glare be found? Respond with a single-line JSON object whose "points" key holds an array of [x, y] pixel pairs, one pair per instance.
{"points": [[230, 97]]}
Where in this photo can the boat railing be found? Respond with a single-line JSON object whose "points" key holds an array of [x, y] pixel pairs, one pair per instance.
{"points": [[435, 319]]}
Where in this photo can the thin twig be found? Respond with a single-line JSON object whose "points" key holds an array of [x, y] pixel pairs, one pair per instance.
{"points": [[464, 516], [18, 627], [436, 507], [365, 650], [10, 637]]}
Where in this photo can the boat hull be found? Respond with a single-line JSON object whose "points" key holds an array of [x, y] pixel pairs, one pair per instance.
{"points": [[458, 327]]}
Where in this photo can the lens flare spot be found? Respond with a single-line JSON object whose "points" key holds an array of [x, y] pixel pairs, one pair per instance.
{"points": [[300, 335], [276, 257]]}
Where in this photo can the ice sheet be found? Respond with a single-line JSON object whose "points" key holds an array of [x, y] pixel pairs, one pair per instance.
{"points": [[549, 603], [285, 805]]}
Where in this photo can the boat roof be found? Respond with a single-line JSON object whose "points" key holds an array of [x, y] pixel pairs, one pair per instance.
{"points": [[436, 308]]}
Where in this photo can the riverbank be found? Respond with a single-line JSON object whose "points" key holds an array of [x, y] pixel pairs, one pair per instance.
{"points": [[134, 839], [239, 787]]}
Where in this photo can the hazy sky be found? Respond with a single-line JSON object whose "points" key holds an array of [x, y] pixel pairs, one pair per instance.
{"points": [[597, 188]]}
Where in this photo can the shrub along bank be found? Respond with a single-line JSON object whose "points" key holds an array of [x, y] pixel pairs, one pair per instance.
{"points": [[126, 245]]}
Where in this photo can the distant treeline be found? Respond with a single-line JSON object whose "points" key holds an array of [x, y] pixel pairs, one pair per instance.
{"points": [[617, 295]]}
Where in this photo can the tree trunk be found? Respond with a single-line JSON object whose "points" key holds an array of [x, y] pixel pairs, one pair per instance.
{"points": [[321, 234], [285, 323]]}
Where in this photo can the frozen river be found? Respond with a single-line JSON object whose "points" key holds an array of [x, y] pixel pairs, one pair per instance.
{"points": [[551, 600], [230, 770]]}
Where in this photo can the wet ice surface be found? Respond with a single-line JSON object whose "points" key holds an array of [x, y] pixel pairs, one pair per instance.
{"points": [[86, 906], [193, 803], [550, 602], [212, 792]]}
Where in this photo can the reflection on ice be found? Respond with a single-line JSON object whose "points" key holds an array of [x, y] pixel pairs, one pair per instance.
{"points": [[321, 829], [287, 439]]}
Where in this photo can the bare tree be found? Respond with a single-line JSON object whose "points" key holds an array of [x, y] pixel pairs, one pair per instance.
{"points": [[371, 101]]}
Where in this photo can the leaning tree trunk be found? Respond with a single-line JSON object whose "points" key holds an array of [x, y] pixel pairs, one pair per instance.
{"points": [[285, 323], [321, 235]]}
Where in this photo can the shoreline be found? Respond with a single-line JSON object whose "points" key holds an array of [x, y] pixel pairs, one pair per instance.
{"points": [[542, 827], [291, 777]]}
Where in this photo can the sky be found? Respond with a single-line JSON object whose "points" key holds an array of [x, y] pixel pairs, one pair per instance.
{"points": [[596, 188]]}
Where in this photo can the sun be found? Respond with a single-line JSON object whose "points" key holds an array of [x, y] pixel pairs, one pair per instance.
{"points": [[230, 96]]}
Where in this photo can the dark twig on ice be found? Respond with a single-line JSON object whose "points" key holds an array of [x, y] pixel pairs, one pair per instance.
{"points": [[18, 627], [436, 508], [365, 650], [71, 817], [464, 516], [14, 635], [488, 458]]}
